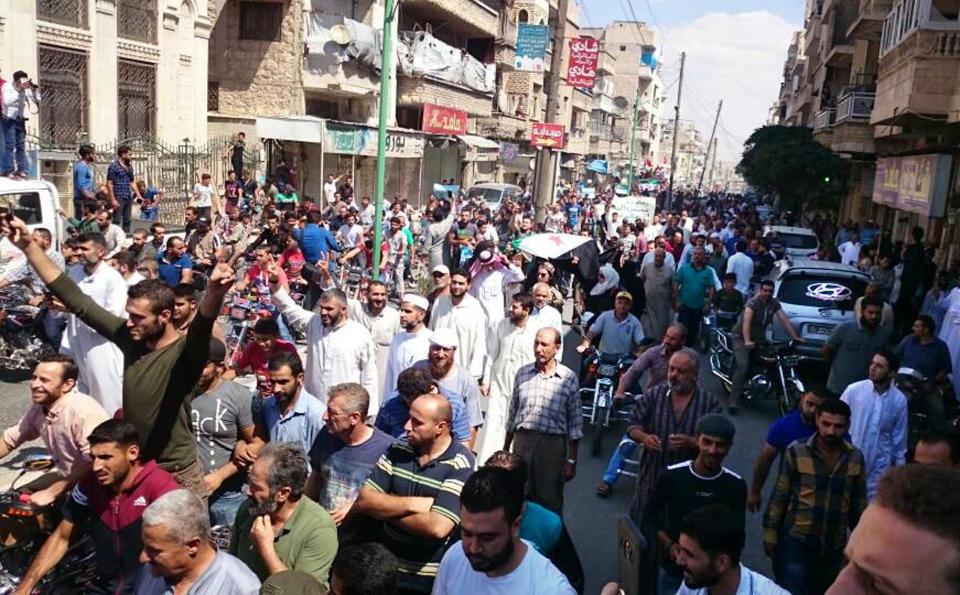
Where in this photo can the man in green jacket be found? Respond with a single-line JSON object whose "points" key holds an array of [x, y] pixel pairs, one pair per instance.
{"points": [[161, 366]]}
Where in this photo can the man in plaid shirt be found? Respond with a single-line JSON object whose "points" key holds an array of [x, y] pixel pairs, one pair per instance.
{"points": [[545, 422], [820, 494], [123, 191]]}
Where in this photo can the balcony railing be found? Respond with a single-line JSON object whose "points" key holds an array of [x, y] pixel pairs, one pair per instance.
{"points": [[600, 131], [855, 106], [824, 119]]}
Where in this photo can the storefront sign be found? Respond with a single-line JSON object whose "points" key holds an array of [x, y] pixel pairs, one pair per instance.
{"points": [[582, 68], [546, 135], [531, 50], [916, 184], [444, 120], [346, 139]]}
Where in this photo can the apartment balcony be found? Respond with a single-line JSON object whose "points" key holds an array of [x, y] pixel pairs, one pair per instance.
{"points": [[605, 64], [466, 18], [855, 106], [582, 101], [604, 103], [504, 127], [824, 120], [917, 80], [852, 132], [600, 131], [578, 142], [868, 23], [416, 90]]}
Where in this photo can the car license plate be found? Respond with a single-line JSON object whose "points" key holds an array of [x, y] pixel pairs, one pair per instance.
{"points": [[820, 329]]}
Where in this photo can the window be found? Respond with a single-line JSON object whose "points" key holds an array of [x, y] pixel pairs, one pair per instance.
{"points": [[137, 20], [213, 96], [623, 48], [136, 89], [820, 290], [62, 75], [260, 21], [25, 206], [523, 16], [65, 12]]}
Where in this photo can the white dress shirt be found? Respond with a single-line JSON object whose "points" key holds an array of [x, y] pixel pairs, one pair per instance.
{"points": [[751, 583], [878, 427], [334, 355], [742, 265], [849, 253], [15, 100]]}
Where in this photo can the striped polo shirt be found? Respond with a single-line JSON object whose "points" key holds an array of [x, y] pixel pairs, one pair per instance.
{"points": [[398, 473]]}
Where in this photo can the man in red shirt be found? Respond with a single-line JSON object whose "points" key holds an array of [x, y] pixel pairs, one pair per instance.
{"points": [[255, 357]]}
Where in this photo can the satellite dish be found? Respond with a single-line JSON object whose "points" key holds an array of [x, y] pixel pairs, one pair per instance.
{"points": [[621, 102], [340, 34]]}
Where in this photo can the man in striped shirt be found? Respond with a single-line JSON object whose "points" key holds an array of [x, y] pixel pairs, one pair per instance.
{"points": [[415, 491]]}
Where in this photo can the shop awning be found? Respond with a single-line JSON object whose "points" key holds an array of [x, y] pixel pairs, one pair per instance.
{"points": [[304, 129], [479, 142]]}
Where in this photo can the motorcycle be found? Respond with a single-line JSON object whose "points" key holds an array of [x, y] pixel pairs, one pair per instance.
{"points": [[20, 346], [922, 391], [603, 372], [26, 530], [777, 377]]}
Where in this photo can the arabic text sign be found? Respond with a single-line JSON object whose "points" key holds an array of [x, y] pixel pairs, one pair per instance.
{"points": [[916, 183], [582, 69], [634, 208], [531, 47], [546, 135], [444, 120], [353, 140]]}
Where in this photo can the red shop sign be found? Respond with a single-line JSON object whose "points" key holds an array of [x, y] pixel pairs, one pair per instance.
{"points": [[444, 120], [582, 68], [546, 135]]}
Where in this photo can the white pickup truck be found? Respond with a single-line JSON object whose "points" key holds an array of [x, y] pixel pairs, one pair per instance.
{"points": [[36, 202]]}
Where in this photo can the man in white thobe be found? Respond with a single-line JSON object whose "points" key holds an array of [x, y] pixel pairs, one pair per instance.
{"points": [[380, 319], [338, 349], [544, 315], [950, 334], [410, 345], [489, 284], [510, 348], [100, 361], [878, 419], [463, 313]]}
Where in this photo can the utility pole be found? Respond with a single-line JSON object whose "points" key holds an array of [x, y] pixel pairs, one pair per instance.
{"points": [[713, 163], [706, 157], [633, 136], [385, 66], [676, 133], [548, 159]]}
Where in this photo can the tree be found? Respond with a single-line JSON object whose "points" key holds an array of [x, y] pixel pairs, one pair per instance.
{"points": [[786, 160]]}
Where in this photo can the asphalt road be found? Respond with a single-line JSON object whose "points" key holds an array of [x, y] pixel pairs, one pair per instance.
{"points": [[592, 521]]}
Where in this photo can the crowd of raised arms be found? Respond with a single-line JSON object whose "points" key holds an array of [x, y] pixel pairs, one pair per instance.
{"points": [[416, 433]]}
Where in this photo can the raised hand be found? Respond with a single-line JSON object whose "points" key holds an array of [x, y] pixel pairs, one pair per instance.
{"points": [[222, 277], [15, 229]]}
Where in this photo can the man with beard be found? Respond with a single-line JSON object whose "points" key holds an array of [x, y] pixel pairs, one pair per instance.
{"points": [[338, 349], [464, 314], [665, 421], [689, 485], [853, 343], [491, 556], [799, 424], [878, 418], [125, 263], [657, 279], [414, 490], [381, 320], [155, 245], [441, 286], [99, 360], [289, 412], [708, 552], [452, 380], [410, 345], [281, 528], [112, 233], [511, 348], [544, 315], [923, 351], [545, 422], [161, 367], [820, 494], [178, 555], [221, 415], [107, 503], [342, 457], [203, 244], [411, 383]]}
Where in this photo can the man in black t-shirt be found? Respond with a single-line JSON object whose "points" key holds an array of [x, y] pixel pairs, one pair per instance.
{"points": [[689, 485]]}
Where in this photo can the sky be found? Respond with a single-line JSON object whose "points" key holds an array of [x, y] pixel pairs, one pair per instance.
{"points": [[735, 52]]}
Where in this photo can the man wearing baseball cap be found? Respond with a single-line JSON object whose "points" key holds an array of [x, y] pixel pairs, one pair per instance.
{"points": [[619, 330]]}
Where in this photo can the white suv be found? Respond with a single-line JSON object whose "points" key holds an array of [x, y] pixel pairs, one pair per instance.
{"points": [[796, 241]]}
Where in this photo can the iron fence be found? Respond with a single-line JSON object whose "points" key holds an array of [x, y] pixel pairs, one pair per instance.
{"points": [[137, 20]]}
